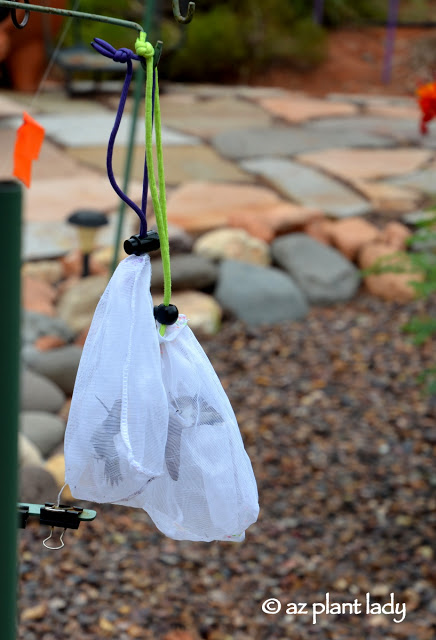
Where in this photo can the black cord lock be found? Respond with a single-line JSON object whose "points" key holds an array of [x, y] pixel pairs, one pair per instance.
{"points": [[137, 245], [166, 315]]}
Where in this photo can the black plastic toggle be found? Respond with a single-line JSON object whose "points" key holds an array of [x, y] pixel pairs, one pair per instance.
{"points": [[137, 245], [62, 516], [166, 315]]}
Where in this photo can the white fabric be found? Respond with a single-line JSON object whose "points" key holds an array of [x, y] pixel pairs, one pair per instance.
{"points": [[208, 491], [150, 425], [116, 432]]}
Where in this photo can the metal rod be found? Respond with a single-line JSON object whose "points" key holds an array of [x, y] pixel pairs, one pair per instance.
{"points": [[10, 265], [71, 14], [390, 40], [178, 16]]}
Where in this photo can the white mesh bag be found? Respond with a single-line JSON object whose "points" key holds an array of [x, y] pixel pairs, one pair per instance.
{"points": [[208, 491], [117, 428]]}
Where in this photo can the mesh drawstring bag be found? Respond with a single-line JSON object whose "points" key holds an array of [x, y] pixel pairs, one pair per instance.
{"points": [[150, 425], [115, 441]]}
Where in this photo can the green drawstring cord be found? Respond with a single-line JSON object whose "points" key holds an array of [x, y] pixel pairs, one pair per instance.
{"points": [[146, 50]]}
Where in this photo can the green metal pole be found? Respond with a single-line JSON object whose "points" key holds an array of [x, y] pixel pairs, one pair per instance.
{"points": [[139, 86], [10, 265]]}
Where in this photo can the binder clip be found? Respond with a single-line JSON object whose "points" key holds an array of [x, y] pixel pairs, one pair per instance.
{"points": [[62, 516]]}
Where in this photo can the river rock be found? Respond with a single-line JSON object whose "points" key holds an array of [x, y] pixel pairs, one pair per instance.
{"points": [[350, 234], [77, 304], [202, 310], [188, 271], [55, 465], [389, 286], [28, 452], [321, 272], [59, 365], [40, 394], [50, 271], [259, 295], [43, 429], [37, 485], [36, 325], [233, 244]]}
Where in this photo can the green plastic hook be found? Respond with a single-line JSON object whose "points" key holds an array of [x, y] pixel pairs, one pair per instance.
{"points": [[178, 16]]}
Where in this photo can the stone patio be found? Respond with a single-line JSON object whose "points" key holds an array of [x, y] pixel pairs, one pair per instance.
{"points": [[229, 152]]}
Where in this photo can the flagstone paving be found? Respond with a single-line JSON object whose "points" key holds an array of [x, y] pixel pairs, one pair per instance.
{"points": [[367, 164], [42, 239], [424, 181], [344, 155], [388, 198], [182, 163], [309, 187], [202, 206], [206, 118], [297, 107], [291, 140], [56, 102], [50, 200], [92, 129], [402, 131], [9, 107], [52, 162]]}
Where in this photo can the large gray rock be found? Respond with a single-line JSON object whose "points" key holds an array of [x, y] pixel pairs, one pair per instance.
{"points": [[36, 325], [322, 273], [37, 485], [188, 271], [259, 295], [28, 452], [40, 394], [59, 365], [43, 429]]}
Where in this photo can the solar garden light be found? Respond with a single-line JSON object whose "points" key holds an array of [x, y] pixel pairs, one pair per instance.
{"points": [[87, 221]]}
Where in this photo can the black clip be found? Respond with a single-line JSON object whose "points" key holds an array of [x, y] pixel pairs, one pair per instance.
{"points": [[23, 516], [59, 516], [137, 245]]}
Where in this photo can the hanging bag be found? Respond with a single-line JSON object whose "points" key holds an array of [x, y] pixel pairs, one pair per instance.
{"points": [[170, 437], [116, 433], [208, 491]]}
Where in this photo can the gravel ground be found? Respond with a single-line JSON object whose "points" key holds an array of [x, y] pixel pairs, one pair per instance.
{"points": [[342, 444]]}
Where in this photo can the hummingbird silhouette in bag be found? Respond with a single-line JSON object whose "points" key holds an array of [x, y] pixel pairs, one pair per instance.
{"points": [[185, 412], [104, 443]]}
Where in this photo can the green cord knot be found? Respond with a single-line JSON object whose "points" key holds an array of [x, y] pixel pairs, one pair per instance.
{"points": [[142, 47]]}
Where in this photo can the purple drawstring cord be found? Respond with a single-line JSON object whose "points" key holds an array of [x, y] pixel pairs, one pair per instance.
{"points": [[123, 55]]}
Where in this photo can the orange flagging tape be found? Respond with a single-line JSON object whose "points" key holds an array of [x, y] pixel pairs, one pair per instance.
{"points": [[30, 137]]}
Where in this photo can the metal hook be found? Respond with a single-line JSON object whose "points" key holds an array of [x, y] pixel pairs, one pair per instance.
{"points": [[61, 539], [178, 16], [20, 25]]}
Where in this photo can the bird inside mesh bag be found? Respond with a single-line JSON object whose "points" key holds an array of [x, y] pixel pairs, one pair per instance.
{"points": [[150, 425]]}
